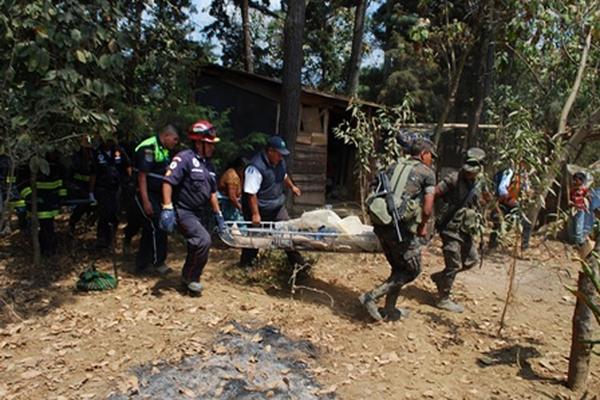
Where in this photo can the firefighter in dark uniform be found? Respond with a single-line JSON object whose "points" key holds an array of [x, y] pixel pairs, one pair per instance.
{"points": [[78, 185], [111, 166], [50, 191], [188, 191], [152, 158], [7, 183], [263, 197], [461, 223], [405, 257], [11, 191]]}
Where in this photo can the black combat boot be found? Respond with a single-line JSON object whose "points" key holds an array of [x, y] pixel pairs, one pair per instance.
{"points": [[368, 301]]}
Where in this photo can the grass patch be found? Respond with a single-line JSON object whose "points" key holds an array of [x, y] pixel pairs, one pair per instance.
{"points": [[270, 269]]}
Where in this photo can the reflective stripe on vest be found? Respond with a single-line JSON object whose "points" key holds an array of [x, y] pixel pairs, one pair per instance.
{"points": [[16, 203], [160, 153], [83, 178], [47, 214], [25, 192], [49, 185], [62, 192]]}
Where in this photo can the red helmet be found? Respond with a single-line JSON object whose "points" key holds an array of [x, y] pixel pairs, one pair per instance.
{"points": [[203, 131]]}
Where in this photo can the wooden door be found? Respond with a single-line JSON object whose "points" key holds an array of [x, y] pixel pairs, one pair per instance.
{"points": [[310, 158]]}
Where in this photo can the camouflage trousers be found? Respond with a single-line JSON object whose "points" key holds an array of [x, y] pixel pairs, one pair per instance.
{"points": [[460, 254], [404, 258]]}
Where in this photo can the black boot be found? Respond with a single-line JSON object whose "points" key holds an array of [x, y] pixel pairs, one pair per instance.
{"points": [[368, 301], [390, 312]]}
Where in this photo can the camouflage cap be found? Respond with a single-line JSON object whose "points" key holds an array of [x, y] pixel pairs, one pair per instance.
{"points": [[475, 155], [421, 145], [473, 160]]}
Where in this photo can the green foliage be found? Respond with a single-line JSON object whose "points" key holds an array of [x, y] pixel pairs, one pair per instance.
{"points": [[60, 63], [363, 130], [266, 31], [160, 64], [328, 39], [229, 147], [422, 43], [538, 61]]}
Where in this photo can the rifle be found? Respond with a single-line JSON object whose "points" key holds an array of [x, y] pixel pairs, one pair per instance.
{"points": [[450, 214], [389, 200]]}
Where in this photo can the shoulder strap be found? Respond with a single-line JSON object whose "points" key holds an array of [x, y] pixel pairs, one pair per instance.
{"points": [[450, 213], [400, 177]]}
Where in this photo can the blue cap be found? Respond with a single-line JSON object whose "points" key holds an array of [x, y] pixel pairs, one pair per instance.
{"points": [[278, 144]]}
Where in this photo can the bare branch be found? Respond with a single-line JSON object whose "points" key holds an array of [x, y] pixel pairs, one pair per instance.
{"points": [[562, 124], [529, 67]]}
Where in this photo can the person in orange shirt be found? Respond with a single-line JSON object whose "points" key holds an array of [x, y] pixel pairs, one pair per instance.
{"points": [[509, 184], [230, 190]]}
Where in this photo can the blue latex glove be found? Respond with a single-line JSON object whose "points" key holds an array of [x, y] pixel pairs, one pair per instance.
{"points": [[220, 222], [167, 220]]}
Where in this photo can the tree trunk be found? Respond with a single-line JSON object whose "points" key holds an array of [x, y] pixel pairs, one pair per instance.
{"points": [[248, 63], [583, 320], [35, 223], [357, 47], [293, 59], [387, 58], [484, 81], [451, 96], [576, 139]]}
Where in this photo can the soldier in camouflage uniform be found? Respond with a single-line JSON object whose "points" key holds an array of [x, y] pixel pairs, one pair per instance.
{"points": [[460, 224], [405, 257]]}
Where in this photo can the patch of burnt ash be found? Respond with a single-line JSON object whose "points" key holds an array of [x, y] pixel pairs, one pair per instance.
{"points": [[243, 363]]}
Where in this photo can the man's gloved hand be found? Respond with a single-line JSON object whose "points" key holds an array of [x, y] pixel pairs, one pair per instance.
{"points": [[167, 219], [92, 198], [224, 233], [220, 222]]}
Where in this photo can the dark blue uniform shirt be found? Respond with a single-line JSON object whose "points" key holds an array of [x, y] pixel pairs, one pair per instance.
{"points": [[192, 180], [151, 157], [110, 167]]}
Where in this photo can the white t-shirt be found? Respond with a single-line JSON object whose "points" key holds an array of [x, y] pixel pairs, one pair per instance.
{"points": [[253, 179]]}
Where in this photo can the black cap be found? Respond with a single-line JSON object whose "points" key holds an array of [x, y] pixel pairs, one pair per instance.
{"points": [[277, 143]]}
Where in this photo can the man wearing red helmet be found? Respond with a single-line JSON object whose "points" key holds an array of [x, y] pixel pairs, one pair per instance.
{"points": [[189, 183]]}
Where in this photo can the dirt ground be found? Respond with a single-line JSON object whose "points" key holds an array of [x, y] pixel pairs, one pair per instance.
{"points": [[59, 344]]}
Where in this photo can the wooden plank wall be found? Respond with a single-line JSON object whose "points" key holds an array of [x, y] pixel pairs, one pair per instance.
{"points": [[310, 158]]}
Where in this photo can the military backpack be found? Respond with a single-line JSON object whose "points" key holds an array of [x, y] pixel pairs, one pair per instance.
{"points": [[408, 209]]}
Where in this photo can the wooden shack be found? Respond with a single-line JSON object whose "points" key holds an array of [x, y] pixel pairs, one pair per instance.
{"points": [[322, 164]]}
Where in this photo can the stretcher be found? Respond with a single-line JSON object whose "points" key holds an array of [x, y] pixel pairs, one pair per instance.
{"points": [[284, 236]]}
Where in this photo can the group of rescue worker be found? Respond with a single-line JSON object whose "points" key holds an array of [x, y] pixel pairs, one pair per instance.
{"points": [[158, 191], [161, 191]]}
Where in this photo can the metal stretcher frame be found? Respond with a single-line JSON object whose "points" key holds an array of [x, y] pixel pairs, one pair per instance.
{"points": [[277, 235]]}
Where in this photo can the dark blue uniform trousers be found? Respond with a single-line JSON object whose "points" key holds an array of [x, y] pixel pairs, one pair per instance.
{"points": [[153, 244], [198, 243], [108, 209]]}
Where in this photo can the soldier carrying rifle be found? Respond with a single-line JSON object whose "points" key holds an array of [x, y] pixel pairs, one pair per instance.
{"points": [[412, 185], [460, 225]]}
